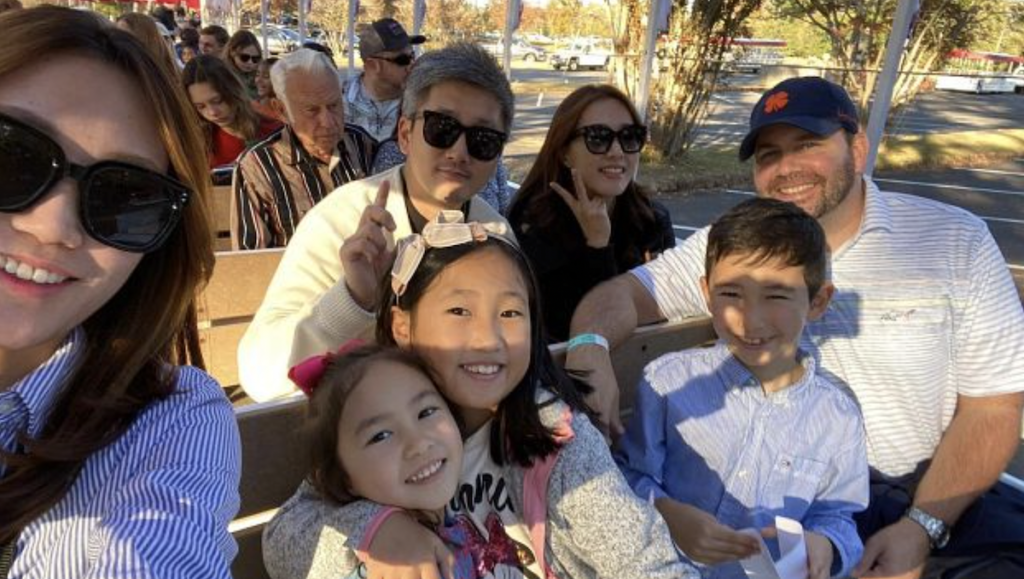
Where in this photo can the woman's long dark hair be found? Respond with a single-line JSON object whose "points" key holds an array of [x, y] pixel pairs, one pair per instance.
{"points": [[150, 324], [518, 436], [212, 70], [540, 210]]}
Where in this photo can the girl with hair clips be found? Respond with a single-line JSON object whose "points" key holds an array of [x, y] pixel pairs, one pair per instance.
{"points": [[580, 215], [116, 458], [228, 118], [538, 492], [243, 55]]}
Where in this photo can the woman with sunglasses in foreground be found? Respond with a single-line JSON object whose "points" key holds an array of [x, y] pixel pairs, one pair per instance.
{"points": [[580, 215], [229, 119], [114, 459]]}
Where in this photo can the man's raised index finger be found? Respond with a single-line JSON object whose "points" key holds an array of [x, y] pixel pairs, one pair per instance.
{"points": [[382, 194]]}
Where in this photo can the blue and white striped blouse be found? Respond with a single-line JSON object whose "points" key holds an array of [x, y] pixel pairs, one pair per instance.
{"points": [[155, 503]]}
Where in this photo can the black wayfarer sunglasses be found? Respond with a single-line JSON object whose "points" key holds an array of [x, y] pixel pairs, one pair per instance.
{"points": [[121, 205], [255, 58], [442, 131], [404, 59], [598, 138]]}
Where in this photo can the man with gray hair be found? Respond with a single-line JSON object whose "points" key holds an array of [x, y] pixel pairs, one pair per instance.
{"points": [[280, 179], [456, 113]]}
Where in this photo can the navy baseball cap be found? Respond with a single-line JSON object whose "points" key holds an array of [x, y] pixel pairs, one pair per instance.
{"points": [[385, 35], [810, 103]]}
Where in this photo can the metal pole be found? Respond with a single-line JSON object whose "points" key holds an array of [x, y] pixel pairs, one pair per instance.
{"points": [[351, 33], [511, 11], [647, 65], [418, 14], [887, 80], [264, 8], [302, 21]]}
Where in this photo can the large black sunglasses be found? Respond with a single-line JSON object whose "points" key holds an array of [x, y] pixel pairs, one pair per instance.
{"points": [[598, 138], [121, 205], [404, 59], [255, 58], [442, 131]]}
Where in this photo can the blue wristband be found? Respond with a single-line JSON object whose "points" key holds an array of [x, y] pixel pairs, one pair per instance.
{"points": [[585, 339]]}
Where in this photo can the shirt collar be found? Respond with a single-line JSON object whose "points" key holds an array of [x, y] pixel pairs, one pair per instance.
{"points": [[735, 376], [39, 390], [876, 211]]}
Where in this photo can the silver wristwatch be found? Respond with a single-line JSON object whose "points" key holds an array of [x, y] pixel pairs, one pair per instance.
{"points": [[938, 532]]}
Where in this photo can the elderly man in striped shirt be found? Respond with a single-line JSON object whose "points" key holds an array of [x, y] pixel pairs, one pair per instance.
{"points": [[926, 330], [280, 179]]}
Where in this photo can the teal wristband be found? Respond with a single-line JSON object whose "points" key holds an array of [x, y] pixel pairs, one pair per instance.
{"points": [[585, 339]]}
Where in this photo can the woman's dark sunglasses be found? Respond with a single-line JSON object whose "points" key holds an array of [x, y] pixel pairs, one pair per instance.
{"points": [[442, 131], [121, 205], [254, 58], [404, 59], [598, 138]]}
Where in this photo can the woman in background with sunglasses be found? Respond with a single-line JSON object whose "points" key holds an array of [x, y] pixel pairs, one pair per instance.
{"points": [[580, 215], [114, 460], [228, 117], [243, 55]]}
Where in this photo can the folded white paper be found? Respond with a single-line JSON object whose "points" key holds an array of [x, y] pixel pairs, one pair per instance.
{"points": [[792, 563]]}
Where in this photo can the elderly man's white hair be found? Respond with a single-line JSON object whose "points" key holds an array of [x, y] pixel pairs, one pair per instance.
{"points": [[304, 61]]}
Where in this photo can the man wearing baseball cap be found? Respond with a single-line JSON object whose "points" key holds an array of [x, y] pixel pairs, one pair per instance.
{"points": [[926, 330], [372, 99]]}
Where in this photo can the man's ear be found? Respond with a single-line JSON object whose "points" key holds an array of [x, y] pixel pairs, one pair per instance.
{"points": [[860, 151], [401, 327], [405, 126], [705, 290], [821, 300]]}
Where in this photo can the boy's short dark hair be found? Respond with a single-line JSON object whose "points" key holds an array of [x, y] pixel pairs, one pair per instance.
{"points": [[769, 229]]}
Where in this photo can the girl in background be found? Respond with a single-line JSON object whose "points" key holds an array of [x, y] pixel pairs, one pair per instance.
{"points": [[243, 55], [228, 119], [265, 90]]}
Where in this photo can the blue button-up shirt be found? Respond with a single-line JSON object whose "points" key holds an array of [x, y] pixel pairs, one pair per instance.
{"points": [[706, 434], [154, 503]]}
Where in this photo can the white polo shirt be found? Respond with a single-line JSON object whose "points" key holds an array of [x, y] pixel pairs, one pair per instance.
{"points": [[925, 310]]}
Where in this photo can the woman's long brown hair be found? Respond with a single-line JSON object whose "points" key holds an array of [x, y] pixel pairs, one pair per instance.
{"points": [[134, 340], [538, 205]]}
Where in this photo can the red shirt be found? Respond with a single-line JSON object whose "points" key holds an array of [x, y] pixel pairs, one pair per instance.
{"points": [[226, 147]]}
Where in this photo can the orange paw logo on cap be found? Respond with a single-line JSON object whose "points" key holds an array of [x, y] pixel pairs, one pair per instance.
{"points": [[776, 102]]}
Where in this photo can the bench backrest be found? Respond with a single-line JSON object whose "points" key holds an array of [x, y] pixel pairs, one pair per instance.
{"points": [[273, 463], [228, 304], [221, 217]]}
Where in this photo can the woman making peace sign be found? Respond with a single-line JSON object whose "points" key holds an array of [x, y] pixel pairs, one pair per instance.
{"points": [[580, 216]]}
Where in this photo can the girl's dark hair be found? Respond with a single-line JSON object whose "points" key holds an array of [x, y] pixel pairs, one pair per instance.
{"points": [[518, 436], [150, 323], [320, 429], [538, 207], [212, 70]]}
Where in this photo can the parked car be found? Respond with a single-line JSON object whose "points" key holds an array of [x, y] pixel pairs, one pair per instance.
{"points": [[975, 84], [520, 49], [583, 53], [279, 39]]}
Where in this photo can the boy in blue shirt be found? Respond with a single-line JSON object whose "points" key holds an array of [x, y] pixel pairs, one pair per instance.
{"points": [[729, 437]]}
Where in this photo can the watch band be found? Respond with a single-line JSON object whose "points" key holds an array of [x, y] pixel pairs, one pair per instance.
{"points": [[936, 528]]}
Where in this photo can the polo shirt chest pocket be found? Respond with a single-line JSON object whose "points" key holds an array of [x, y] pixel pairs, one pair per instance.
{"points": [[792, 484]]}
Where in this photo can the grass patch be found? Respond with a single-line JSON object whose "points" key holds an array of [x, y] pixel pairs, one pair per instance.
{"points": [[967, 148]]}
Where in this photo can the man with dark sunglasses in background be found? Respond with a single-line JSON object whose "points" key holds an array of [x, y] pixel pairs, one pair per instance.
{"points": [[372, 98], [457, 110]]}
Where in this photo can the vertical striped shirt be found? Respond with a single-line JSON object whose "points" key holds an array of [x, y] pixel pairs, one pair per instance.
{"points": [[925, 311], [277, 182], [705, 434], [154, 503]]}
